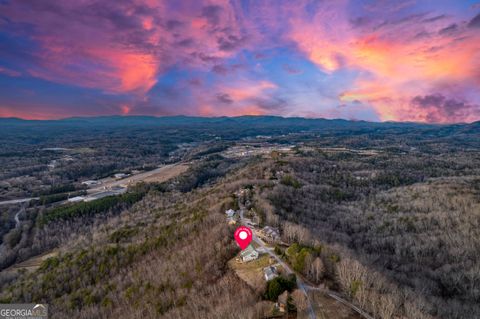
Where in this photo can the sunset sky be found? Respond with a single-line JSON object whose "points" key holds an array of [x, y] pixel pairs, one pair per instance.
{"points": [[364, 60]]}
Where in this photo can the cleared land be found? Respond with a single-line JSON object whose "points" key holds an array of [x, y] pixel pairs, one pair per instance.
{"points": [[251, 272], [165, 173], [33, 263], [159, 175], [326, 307]]}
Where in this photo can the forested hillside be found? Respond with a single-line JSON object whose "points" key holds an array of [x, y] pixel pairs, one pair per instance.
{"points": [[164, 257], [413, 218], [385, 216]]}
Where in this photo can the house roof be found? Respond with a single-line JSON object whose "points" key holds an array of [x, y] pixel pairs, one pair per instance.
{"points": [[270, 231], [283, 298], [230, 212], [270, 271], [247, 251]]}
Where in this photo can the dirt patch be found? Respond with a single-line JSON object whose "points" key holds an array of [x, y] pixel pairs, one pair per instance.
{"points": [[33, 263], [168, 172], [159, 175]]}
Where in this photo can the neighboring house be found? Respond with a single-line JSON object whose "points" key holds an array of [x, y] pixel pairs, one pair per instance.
{"points": [[230, 213], [271, 234], [251, 224], [249, 254], [282, 301], [270, 272], [231, 220]]}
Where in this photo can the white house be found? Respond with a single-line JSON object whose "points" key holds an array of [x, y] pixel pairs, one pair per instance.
{"points": [[249, 254], [270, 272]]}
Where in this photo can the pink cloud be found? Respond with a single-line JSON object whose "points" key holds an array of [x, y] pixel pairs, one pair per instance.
{"points": [[395, 65], [393, 54], [124, 46], [10, 72], [241, 97]]}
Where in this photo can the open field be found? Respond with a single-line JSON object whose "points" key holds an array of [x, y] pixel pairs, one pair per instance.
{"points": [[251, 272], [33, 263], [164, 173], [158, 175]]}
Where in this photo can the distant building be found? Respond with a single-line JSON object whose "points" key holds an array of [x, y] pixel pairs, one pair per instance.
{"points": [[249, 254], [270, 272], [76, 199], [91, 183], [230, 213], [251, 223], [231, 220], [282, 301], [270, 233]]}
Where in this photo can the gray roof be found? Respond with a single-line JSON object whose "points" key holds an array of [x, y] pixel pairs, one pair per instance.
{"points": [[270, 271], [247, 251]]}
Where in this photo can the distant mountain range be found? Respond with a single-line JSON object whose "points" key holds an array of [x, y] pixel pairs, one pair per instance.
{"points": [[252, 122], [181, 119]]}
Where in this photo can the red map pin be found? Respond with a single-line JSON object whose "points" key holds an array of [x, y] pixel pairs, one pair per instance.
{"points": [[243, 236]]}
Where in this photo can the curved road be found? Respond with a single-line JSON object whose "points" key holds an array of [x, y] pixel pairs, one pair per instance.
{"points": [[17, 220], [300, 283], [17, 201]]}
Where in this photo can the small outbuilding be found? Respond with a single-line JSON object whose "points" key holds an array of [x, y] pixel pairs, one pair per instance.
{"points": [[231, 220], [282, 301], [230, 213], [270, 273]]}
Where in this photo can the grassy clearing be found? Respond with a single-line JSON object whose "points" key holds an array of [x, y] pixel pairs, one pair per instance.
{"points": [[251, 272]]}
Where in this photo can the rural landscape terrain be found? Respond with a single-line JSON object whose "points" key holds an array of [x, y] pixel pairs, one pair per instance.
{"points": [[133, 217], [240, 159]]}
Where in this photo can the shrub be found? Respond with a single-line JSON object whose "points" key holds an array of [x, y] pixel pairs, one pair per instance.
{"points": [[277, 286]]}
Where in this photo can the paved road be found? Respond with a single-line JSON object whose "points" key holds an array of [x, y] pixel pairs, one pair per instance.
{"points": [[17, 219], [304, 287], [133, 179], [17, 201], [263, 248], [109, 183]]}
